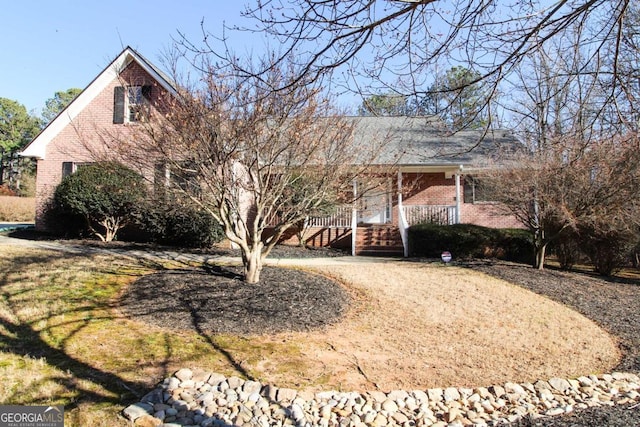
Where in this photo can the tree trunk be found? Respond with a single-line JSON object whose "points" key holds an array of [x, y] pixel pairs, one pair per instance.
{"points": [[252, 262], [111, 227], [540, 256]]}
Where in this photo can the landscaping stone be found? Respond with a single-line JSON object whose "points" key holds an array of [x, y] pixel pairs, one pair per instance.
{"points": [[208, 399], [137, 410]]}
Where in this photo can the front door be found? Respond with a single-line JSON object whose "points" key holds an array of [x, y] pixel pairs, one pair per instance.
{"points": [[374, 208]]}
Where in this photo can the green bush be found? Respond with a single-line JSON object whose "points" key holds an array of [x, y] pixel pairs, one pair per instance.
{"points": [[62, 223], [470, 241], [105, 195], [567, 248], [172, 224], [515, 244]]}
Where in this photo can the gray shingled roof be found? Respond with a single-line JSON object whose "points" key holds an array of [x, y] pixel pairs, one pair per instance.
{"points": [[422, 141]]}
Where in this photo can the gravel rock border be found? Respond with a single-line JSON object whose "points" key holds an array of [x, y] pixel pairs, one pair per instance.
{"points": [[200, 398]]}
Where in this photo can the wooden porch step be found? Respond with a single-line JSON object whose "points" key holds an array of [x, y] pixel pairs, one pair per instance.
{"points": [[380, 250], [379, 240]]}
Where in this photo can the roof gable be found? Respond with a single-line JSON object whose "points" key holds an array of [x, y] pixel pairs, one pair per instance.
{"points": [[37, 147]]}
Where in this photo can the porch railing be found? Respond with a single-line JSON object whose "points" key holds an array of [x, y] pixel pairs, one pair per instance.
{"points": [[340, 218], [434, 214]]}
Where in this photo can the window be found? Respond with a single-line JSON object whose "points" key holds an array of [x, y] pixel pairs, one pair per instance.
{"points": [[131, 103], [72, 167], [180, 176], [474, 191]]}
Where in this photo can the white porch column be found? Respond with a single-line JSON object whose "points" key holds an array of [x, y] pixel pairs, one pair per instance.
{"points": [[458, 194], [403, 226], [354, 218]]}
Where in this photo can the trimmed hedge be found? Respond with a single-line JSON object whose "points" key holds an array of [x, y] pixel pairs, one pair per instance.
{"points": [[470, 241], [179, 225]]}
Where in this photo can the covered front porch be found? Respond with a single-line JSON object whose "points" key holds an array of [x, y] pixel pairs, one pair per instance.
{"points": [[379, 219]]}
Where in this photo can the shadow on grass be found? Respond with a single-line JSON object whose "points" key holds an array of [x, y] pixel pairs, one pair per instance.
{"points": [[21, 337], [30, 321], [35, 307]]}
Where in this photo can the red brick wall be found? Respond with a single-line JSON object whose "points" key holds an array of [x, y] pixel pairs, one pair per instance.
{"points": [[436, 189], [487, 215], [84, 139], [428, 189]]}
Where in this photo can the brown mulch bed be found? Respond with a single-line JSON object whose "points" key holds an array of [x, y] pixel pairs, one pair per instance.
{"points": [[216, 300]]}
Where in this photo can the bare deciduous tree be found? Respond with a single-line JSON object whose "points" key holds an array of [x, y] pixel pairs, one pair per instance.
{"points": [[399, 45], [570, 185], [559, 108], [252, 157]]}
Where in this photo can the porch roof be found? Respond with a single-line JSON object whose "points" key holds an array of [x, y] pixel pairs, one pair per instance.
{"points": [[422, 142]]}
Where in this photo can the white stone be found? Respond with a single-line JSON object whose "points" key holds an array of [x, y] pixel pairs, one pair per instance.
{"points": [[285, 395], [184, 374], [554, 411], [497, 390], [420, 396], [514, 388], [390, 406], [397, 395], [235, 382], [452, 415], [137, 410], [435, 394], [250, 387], [173, 383], [377, 396], [559, 384], [451, 394], [297, 413]]}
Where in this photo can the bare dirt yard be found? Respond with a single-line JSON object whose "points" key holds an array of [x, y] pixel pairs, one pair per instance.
{"points": [[408, 325]]}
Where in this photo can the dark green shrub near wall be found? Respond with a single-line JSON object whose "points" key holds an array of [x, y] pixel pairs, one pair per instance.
{"points": [[63, 224], [104, 194], [470, 241], [179, 225], [516, 244], [159, 219]]}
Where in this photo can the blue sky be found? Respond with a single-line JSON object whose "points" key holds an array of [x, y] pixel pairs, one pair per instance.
{"points": [[51, 46]]}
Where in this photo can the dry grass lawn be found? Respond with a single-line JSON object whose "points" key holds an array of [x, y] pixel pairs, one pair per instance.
{"points": [[427, 325], [415, 326], [17, 209]]}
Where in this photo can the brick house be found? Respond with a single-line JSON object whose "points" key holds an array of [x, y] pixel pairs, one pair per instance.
{"points": [[432, 179], [108, 105]]}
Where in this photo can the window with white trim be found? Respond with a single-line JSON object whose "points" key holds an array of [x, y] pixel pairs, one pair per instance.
{"points": [[130, 103], [69, 168], [474, 191]]}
